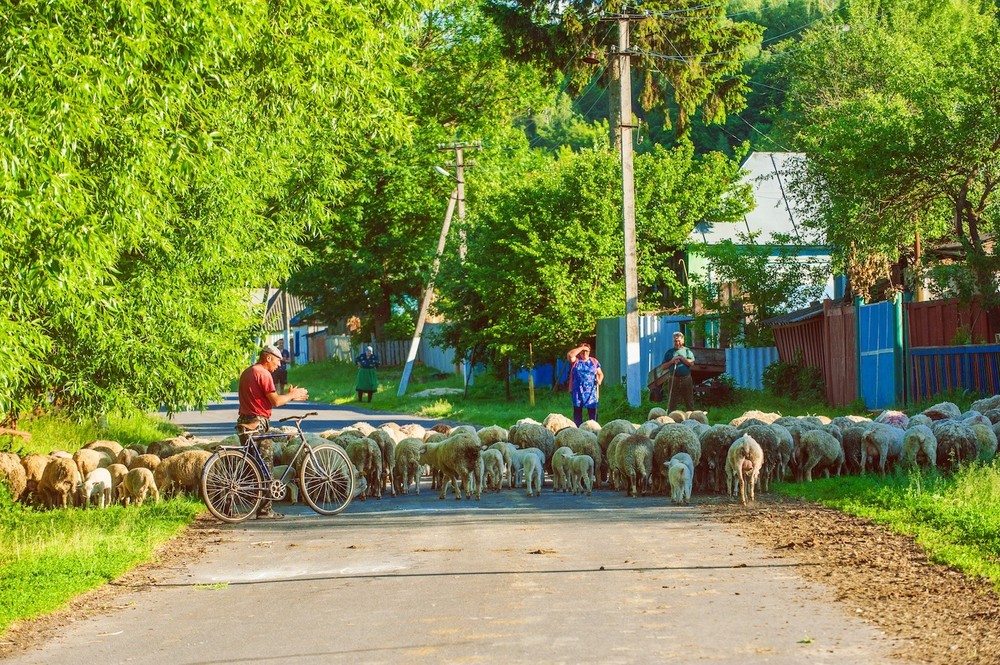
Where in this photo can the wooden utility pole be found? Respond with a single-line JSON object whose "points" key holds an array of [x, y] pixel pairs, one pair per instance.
{"points": [[428, 294], [632, 378]]}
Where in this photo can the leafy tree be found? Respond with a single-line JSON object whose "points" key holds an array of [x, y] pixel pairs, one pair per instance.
{"points": [[149, 153], [899, 117], [749, 284]]}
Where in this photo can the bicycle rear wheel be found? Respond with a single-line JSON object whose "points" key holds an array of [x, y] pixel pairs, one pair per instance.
{"points": [[326, 479], [230, 486]]}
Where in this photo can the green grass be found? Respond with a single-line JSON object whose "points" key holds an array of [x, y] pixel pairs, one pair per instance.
{"points": [[955, 518], [48, 557]]}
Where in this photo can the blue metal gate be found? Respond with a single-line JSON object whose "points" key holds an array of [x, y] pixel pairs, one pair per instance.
{"points": [[879, 355]]}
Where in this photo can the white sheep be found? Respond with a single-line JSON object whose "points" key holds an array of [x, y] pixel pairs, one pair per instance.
{"points": [[743, 465], [517, 458], [407, 464], [506, 449], [532, 470], [459, 457], [97, 484], [882, 441], [819, 447], [560, 468], [680, 475], [581, 470], [635, 454], [492, 469], [918, 440]]}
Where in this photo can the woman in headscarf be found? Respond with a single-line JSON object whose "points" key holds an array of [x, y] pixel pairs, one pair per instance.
{"points": [[367, 381]]}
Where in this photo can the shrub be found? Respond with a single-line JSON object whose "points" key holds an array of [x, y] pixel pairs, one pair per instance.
{"points": [[794, 380], [717, 391]]}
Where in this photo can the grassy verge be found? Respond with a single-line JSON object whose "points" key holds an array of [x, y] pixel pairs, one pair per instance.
{"points": [[47, 558], [955, 518]]}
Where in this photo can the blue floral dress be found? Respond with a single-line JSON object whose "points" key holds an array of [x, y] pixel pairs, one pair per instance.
{"points": [[583, 376]]}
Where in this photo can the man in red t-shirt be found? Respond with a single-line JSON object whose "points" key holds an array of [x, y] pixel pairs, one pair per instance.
{"points": [[257, 398]]}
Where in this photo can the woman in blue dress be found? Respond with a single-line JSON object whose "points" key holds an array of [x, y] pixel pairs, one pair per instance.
{"points": [[585, 379]]}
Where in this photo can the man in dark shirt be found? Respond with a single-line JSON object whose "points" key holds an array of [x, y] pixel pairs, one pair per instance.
{"points": [[681, 360], [257, 397]]}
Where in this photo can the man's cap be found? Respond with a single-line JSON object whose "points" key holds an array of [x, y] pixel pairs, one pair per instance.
{"points": [[272, 349]]}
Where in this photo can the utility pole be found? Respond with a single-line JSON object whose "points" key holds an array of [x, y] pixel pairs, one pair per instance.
{"points": [[632, 378], [428, 293], [460, 166]]}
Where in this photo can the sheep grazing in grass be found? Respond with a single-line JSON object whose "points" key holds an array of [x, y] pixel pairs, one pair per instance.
{"points": [[896, 419], [919, 445], [698, 416], [581, 473], [87, 460], [493, 469], [146, 461], [112, 448], [650, 428], [126, 456], [820, 449], [957, 443], [407, 464], [636, 460], [60, 483], [138, 485], [766, 418], [743, 464], [532, 470], [581, 442], [986, 440], [656, 412], [943, 411], [34, 466], [670, 440], [118, 473], [97, 485], [680, 474], [851, 442], [677, 416], [987, 404], [13, 475], [181, 472], [884, 442], [560, 468]]}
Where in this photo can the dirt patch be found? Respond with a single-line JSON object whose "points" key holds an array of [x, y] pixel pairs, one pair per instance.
{"points": [[178, 552], [883, 577]]}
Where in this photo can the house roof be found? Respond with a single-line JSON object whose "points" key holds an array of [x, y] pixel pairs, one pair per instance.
{"points": [[274, 318], [797, 316], [776, 211]]}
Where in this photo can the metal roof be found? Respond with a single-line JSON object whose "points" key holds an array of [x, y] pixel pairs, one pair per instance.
{"points": [[797, 316]]}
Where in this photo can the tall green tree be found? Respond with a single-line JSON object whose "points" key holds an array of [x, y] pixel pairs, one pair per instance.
{"points": [[898, 109], [157, 162]]}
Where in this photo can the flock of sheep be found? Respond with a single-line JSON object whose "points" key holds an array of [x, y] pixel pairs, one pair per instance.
{"points": [[671, 453]]}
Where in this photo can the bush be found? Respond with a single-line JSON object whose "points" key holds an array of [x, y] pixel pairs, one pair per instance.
{"points": [[794, 380], [717, 391]]}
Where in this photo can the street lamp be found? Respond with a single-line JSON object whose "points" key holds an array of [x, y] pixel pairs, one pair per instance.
{"points": [[444, 172]]}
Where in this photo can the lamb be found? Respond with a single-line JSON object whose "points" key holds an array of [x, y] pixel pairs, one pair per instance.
{"points": [[34, 466], [581, 468], [458, 458], [137, 485], [680, 473], [407, 464], [517, 458], [636, 460], [743, 464], [581, 442], [560, 469], [918, 440], [820, 448], [532, 470], [883, 441], [506, 449], [673, 439], [60, 483], [97, 484], [181, 472], [12, 474], [492, 469]]}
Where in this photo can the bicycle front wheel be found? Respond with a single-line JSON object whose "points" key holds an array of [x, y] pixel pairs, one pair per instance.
{"points": [[326, 479], [230, 486]]}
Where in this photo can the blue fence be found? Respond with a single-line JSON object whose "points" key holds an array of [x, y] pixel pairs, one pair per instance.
{"points": [[747, 366], [940, 369]]}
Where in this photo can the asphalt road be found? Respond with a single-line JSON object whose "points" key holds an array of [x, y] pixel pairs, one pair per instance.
{"points": [[508, 579]]}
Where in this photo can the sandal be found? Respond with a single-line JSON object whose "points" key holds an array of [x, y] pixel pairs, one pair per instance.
{"points": [[269, 516]]}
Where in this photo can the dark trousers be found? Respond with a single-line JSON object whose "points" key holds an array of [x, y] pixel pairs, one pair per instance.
{"points": [[578, 414], [370, 393], [682, 391]]}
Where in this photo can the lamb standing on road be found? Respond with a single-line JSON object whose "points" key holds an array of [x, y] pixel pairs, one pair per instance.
{"points": [[743, 465], [680, 474], [581, 473]]}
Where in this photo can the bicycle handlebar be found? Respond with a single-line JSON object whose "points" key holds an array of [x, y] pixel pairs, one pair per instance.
{"points": [[302, 417]]}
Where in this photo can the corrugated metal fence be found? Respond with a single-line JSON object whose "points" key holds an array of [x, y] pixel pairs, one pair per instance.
{"points": [[747, 366]]}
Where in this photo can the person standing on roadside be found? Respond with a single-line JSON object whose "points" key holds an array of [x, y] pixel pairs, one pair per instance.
{"points": [[367, 381], [257, 397], [281, 374], [680, 360], [585, 379]]}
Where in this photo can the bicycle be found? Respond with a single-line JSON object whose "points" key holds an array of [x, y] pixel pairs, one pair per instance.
{"points": [[235, 480]]}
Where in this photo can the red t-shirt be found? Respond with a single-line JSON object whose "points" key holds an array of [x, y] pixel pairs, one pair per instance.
{"points": [[255, 384]]}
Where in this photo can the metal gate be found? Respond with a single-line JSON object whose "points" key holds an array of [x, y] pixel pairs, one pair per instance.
{"points": [[879, 354]]}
